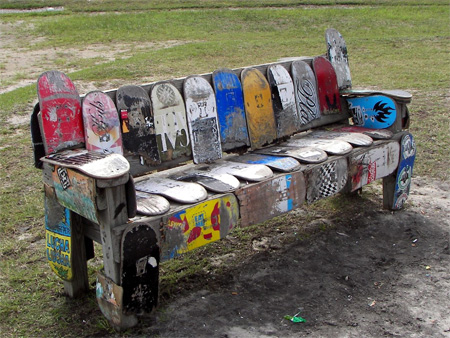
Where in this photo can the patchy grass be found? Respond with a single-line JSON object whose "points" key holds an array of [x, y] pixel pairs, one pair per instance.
{"points": [[392, 46]]}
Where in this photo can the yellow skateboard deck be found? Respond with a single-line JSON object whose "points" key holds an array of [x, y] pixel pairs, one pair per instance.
{"points": [[258, 108]]}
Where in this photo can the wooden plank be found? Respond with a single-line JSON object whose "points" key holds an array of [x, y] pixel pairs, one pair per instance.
{"points": [[264, 200]]}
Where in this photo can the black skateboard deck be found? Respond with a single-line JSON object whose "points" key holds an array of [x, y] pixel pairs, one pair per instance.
{"points": [[93, 164], [139, 270], [137, 124]]}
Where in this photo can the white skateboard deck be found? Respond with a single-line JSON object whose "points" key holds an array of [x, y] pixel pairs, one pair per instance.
{"points": [[332, 147], [151, 204], [182, 192], [245, 171], [355, 139], [303, 154]]}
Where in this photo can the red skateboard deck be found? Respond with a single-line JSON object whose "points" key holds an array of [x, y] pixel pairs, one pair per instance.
{"points": [[329, 101], [60, 107], [101, 124]]}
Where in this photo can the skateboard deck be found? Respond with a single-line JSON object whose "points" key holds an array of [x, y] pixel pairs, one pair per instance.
{"points": [[283, 164], [376, 112], [373, 164], [258, 108], [199, 225], [327, 85], [245, 171], [306, 96], [303, 154], [338, 56], [93, 164], [230, 109], [355, 139], [138, 129], [58, 235], [331, 147], [182, 192], [171, 128], [101, 124], [202, 119], [404, 171], [151, 204], [60, 105], [139, 269], [220, 183], [326, 180], [283, 100], [395, 93], [377, 134]]}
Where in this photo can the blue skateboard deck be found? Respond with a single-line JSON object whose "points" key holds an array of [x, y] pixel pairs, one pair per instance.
{"points": [[377, 112], [283, 100], [306, 96], [404, 171], [230, 109], [278, 163]]}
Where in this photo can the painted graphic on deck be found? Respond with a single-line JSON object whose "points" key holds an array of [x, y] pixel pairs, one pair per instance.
{"points": [[199, 225], [58, 238], [375, 112]]}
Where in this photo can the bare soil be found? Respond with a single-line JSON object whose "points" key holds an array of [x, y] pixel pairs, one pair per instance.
{"points": [[370, 273]]}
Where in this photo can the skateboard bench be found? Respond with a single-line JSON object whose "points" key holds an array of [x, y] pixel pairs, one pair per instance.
{"points": [[133, 245]]}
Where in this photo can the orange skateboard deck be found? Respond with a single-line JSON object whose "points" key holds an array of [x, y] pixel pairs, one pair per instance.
{"points": [[258, 108]]}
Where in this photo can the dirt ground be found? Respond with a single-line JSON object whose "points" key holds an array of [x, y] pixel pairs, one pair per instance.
{"points": [[374, 273]]}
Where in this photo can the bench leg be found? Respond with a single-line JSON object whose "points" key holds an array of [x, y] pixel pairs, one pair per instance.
{"points": [[389, 183]]}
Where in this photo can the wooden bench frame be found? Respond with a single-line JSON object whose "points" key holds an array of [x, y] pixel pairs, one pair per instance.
{"points": [[112, 219]]}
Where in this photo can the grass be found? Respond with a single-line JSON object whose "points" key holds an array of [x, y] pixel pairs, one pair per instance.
{"points": [[397, 44]]}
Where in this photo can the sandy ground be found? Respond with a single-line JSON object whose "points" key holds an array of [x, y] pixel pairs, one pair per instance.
{"points": [[376, 273]]}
